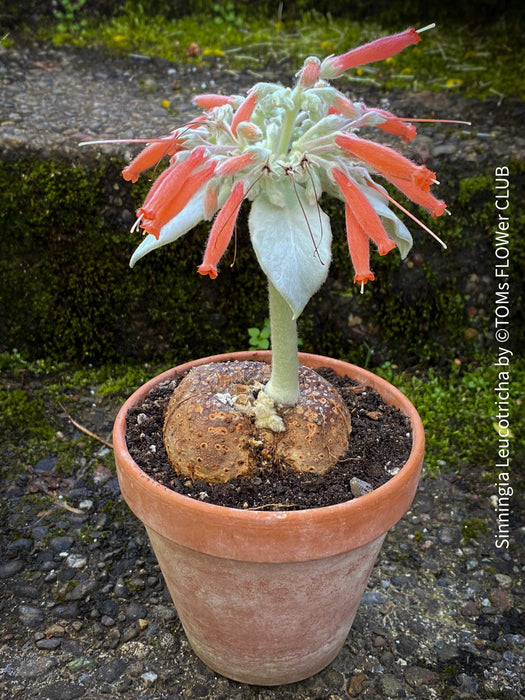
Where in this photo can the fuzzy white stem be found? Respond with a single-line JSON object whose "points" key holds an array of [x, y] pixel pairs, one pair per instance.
{"points": [[283, 386]]}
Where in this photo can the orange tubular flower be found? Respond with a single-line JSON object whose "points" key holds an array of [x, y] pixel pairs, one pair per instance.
{"points": [[211, 200], [162, 191], [175, 192], [211, 101], [344, 106], [392, 125], [412, 180], [361, 215], [376, 50], [163, 180], [151, 155], [310, 72], [364, 212], [222, 232], [235, 164], [420, 196], [244, 111], [396, 126], [359, 247], [172, 207], [386, 161]]}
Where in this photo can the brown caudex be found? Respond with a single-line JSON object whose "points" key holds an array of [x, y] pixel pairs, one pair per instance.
{"points": [[220, 423]]}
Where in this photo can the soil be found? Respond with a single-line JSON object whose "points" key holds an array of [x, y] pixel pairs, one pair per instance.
{"points": [[380, 443]]}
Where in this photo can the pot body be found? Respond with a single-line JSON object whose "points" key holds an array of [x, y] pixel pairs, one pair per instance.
{"points": [[268, 597]]}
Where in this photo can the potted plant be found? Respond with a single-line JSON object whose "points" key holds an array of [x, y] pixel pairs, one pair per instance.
{"points": [[268, 596]]}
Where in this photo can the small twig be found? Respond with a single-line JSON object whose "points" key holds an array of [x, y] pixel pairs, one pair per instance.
{"points": [[279, 506], [38, 486], [86, 431], [60, 503], [57, 502]]}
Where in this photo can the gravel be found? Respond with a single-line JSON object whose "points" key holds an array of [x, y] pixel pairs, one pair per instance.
{"points": [[51, 99], [84, 611]]}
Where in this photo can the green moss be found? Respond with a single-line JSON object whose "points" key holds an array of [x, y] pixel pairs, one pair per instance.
{"points": [[117, 510], [38, 499], [86, 534], [456, 405], [121, 381], [474, 527], [402, 556], [65, 274], [23, 414]]}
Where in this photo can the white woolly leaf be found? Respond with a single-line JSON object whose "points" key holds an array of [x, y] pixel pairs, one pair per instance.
{"points": [[293, 244], [190, 216]]}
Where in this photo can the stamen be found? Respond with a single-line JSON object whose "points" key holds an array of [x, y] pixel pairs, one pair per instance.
{"points": [[424, 29], [289, 172], [102, 141], [306, 166], [194, 123], [137, 223], [405, 211], [434, 121], [234, 259]]}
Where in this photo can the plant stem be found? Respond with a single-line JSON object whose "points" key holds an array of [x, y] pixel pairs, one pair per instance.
{"points": [[283, 386], [288, 125]]}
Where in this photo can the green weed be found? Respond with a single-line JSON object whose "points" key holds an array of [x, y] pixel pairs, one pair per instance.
{"points": [[260, 338]]}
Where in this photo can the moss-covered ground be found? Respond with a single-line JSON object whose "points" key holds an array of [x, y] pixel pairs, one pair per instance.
{"points": [[475, 62], [456, 405]]}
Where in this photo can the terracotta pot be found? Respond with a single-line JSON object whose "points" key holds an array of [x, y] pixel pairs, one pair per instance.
{"points": [[268, 597]]}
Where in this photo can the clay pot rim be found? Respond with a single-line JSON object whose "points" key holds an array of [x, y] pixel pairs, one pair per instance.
{"points": [[151, 501]]}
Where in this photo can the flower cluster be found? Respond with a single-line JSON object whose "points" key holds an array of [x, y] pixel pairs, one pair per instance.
{"points": [[281, 148]]}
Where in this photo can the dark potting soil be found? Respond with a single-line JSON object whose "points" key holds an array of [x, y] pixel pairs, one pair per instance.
{"points": [[380, 443]]}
